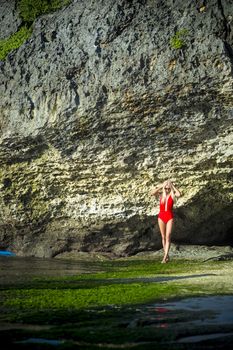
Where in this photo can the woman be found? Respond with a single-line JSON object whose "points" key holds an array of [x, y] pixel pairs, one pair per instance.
{"points": [[165, 217]]}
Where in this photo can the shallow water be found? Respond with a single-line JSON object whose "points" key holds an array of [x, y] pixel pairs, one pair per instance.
{"points": [[19, 269], [41, 341], [199, 338], [222, 306]]}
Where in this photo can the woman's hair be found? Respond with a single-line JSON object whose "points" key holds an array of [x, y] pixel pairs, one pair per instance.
{"points": [[168, 183]]}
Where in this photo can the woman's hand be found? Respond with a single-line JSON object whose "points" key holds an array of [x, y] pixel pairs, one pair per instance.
{"points": [[176, 191], [156, 190]]}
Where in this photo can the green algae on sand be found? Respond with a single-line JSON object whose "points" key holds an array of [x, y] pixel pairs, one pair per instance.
{"points": [[113, 306], [121, 283]]}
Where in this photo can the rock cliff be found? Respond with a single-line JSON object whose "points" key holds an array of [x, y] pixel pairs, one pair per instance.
{"points": [[97, 107]]}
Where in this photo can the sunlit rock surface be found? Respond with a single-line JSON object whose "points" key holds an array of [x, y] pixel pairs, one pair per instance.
{"points": [[97, 107], [9, 18]]}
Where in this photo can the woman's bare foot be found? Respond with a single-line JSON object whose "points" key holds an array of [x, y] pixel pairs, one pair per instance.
{"points": [[165, 260]]}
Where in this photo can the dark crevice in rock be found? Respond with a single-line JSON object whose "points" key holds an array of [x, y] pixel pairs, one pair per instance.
{"points": [[7, 182], [31, 106], [19, 150], [227, 28], [119, 29], [229, 236], [199, 231], [64, 249], [226, 33], [223, 257], [229, 52], [135, 235], [44, 40]]}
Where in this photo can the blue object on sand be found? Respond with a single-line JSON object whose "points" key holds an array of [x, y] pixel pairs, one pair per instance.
{"points": [[6, 253]]}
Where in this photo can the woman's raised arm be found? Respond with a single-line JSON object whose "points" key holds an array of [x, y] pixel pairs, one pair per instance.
{"points": [[176, 191], [156, 190]]}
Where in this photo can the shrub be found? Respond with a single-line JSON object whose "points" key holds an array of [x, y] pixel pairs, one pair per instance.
{"points": [[14, 41], [178, 41], [31, 9]]}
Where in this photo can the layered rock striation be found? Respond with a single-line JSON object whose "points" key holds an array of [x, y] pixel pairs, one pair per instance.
{"points": [[97, 107]]}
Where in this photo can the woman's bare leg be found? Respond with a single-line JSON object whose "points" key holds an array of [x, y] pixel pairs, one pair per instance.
{"points": [[167, 240], [162, 227]]}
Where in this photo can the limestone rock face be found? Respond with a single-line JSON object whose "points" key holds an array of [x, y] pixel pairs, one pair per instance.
{"points": [[97, 107], [9, 18]]}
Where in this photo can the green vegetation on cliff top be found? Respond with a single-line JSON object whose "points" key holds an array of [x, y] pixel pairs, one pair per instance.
{"points": [[14, 41], [178, 41], [29, 10]]}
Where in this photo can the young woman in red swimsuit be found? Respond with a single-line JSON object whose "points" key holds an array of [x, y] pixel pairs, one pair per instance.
{"points": [[165, 217]]}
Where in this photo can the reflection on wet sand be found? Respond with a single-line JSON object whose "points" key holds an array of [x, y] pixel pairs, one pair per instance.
{"points": [[15, 269]]}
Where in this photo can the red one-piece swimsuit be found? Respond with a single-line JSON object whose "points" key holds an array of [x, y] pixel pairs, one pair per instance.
{"points": [[165, 211]]}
